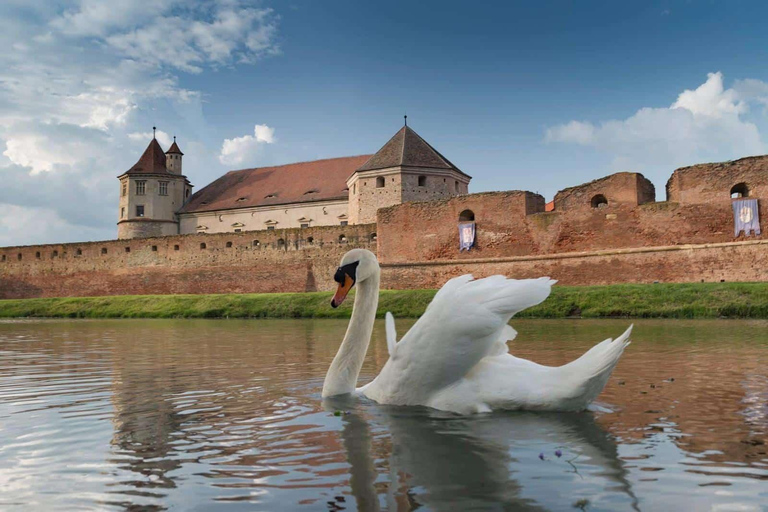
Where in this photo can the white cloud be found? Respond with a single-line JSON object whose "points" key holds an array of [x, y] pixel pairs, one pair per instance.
{"points": [[163, 138], [81, 84], [232, 34], [708, 123], [242, 149]]}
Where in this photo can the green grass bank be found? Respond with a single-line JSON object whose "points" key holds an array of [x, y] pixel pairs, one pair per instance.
{"points": [[695, 300]]}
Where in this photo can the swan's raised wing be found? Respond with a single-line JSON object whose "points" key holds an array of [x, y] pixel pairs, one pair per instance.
{"points": [[464, 323]]}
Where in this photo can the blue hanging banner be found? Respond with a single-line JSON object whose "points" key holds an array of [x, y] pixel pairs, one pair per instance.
{"points": [[466, 235], [745, 217]]}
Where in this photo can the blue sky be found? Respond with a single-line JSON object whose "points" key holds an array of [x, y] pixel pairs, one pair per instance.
{"points": [[535, 95]]}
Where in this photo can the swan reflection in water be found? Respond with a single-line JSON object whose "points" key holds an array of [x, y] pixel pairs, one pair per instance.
{"points": [[449, 462]]}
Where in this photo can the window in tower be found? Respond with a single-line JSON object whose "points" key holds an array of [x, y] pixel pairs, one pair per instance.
{"points": [[139, 210], [125, 189], [140, 187], [163, 188]]}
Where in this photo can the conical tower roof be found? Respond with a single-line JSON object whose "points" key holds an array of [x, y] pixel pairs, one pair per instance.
{"points": [[174, 149], [151, 162], [407, 148]]}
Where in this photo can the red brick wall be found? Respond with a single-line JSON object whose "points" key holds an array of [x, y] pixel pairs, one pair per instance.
{"points": [[297, 265], [740, 261], [416, 232]]}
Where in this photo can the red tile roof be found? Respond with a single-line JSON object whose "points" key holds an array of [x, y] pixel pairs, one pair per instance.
{"points": [[174, 148], [283, 184], [407, 148], [151, 162]]}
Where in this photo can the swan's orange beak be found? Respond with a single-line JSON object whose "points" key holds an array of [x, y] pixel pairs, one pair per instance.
{"points": [[342, 291]]}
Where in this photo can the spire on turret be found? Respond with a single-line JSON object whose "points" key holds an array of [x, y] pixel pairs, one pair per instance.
{"points": [[173, 158], [174, 149]]}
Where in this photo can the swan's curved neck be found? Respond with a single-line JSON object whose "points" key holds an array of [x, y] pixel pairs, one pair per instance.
{"points": [[345, 368]]}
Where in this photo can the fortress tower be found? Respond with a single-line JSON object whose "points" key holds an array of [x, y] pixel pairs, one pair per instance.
{"points": [[152, 192], [405, 169]]}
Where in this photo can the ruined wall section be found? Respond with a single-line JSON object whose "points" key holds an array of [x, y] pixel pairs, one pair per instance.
{"points": [[623, 188], [512, 224], [290, 260], [712, 183]]}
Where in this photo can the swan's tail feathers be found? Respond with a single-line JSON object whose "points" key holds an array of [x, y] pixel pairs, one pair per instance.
{"points": [[591, 371], [506, 297], [389, 324]]}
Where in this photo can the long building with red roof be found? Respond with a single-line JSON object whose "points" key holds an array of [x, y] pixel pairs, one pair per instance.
{"points": [[156, 197]]}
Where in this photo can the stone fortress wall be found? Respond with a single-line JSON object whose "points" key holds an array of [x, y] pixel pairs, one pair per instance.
{"points": [[607, 231]]}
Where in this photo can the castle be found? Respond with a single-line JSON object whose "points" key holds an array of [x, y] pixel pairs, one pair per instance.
{"points": [[156, 199], [285, 228]]}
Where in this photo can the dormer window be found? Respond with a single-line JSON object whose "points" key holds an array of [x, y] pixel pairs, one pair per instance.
{"points": [[203, 203], [268, 196], [312, 191], [241, 199]]}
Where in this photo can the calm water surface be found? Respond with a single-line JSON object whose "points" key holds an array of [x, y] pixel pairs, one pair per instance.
{"points": [[203, 415]]}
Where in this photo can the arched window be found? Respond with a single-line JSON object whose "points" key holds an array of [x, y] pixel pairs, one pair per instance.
{"points": [[3, 257], [380, 182], [103, 250], [467, 216], [599, 201], [55, 254], [280, 242], [373, 237], [256, 243], [37, 255], [79, 252], [229, 244], [739, 190], [202, 245], [422, 181], [342, 239], [310, 240], [19, 257]]}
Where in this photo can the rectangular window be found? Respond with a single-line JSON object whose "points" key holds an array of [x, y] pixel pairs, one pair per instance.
{"points": [[139, 210], [305, 225], [344, 223], [270, 228], [125, 188], [122, 212], [163, 188], [140, 187]]}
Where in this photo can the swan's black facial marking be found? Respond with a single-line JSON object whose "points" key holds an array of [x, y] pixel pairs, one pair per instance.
{"points": [[346, 275], [350, 269]]}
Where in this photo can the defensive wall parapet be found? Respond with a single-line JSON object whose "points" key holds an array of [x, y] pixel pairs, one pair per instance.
{"points": [[716, 182], [513, 224], [254, 261]]}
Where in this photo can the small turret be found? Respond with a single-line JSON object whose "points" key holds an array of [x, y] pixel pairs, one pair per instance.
{"points": [[173, 158]]}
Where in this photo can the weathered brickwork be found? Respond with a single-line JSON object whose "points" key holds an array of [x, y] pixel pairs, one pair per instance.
{"points": [[623, 237], [738, 261], [290, 260]]}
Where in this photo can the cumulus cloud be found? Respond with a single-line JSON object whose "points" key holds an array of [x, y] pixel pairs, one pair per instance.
{"points": [[163, 138], [707, 123], [82, 82], [243, 149]]}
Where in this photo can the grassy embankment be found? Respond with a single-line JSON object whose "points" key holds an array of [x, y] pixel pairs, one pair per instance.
{"points": [[696, 300]]}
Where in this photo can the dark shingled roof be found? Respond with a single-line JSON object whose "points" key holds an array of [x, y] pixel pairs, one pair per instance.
{"points": [[174, 148], [407, 148], [151, 162], [303, 182]]}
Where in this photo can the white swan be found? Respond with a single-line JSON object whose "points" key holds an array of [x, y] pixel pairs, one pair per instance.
{"points": [[455, 357]]}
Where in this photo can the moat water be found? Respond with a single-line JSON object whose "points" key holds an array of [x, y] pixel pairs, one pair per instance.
{"points": [[216, 414]]}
